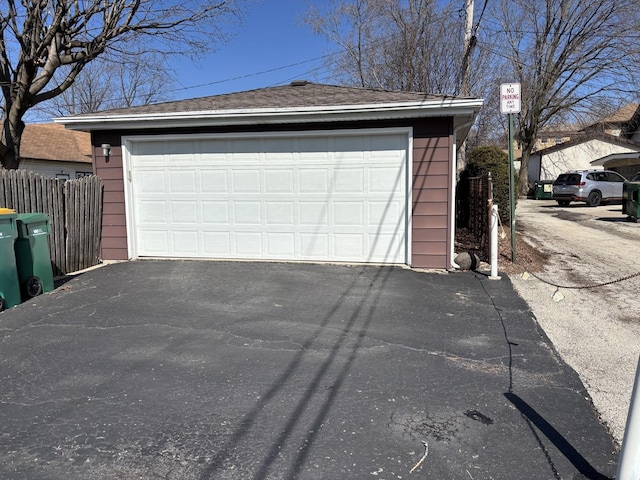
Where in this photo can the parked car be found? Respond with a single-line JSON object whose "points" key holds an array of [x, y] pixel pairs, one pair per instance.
{"points": [[591, 186]]}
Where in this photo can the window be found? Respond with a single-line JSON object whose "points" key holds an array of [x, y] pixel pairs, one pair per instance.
{"points": [[614, 177]]}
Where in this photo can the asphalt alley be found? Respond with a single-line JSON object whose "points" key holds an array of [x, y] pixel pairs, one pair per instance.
{"points": [[222, 370]]}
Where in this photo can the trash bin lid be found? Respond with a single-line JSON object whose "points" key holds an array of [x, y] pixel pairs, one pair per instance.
{"points": [[32, 217], [32, 224]]}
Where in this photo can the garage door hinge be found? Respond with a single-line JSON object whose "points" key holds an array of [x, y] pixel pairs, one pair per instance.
{"points": [[129, 175]]}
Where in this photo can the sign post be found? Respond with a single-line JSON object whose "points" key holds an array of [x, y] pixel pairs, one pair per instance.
{"points": [[510, 104]]}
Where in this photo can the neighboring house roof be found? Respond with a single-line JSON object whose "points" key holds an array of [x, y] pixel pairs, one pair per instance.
{"points": [[298, 102], [621, 117], [52, 142], [633, 125], [585, 137]]}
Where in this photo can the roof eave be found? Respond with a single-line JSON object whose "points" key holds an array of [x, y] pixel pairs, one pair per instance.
{"points": [[442, 107], [615, 156]]}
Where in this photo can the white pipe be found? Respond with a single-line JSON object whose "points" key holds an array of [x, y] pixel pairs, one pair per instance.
{"points": [[629, 461], [494, 243], [454, 183]]}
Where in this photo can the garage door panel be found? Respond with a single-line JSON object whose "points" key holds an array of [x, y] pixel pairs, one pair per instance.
{"points": [[299, 198], [182, 181], [215, 213], [281, 245], [348, 180], [384, 246], [281, 213], [246, 181], [386, 214], [248, 244], [217, 244], [279, 181], [348, 245], [314, 245], [384, 180], [214, 181], [185, 243], [156, 242], [152, 212], [313, 180], [150, 181], [247, 213], [184, 212], [348, 213], [313, 213]]}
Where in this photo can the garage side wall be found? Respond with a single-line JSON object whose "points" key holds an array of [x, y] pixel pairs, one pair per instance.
{"points": [[431, 186], [114, 227], [431, 192]]}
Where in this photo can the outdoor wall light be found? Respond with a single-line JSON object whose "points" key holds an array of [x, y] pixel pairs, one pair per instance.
{"points": [[106, 151]]}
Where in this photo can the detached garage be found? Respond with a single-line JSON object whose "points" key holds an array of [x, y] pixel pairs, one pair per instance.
{"points": [[303, 172]]}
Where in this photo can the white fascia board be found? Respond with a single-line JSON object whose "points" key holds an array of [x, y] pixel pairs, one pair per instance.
{"points": [[615, 156], [445, 107]]}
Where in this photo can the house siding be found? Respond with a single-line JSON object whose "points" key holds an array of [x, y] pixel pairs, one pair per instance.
{"points": [[547, 166], [431, 183], [57, 169]]}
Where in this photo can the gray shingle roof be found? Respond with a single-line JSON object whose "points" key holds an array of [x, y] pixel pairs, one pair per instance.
{"points": [[295, 95]]}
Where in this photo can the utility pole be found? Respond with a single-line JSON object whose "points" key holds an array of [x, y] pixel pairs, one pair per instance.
{"points": [[465, 77], [469, 43]]}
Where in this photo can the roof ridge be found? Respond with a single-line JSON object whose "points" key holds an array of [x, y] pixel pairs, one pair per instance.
{"points": [[297, 94]]}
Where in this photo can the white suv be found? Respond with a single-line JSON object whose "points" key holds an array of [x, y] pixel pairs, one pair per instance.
{"points": [[591, 186]]}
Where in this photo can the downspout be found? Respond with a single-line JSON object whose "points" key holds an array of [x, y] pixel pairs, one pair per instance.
{"points": [[454, 184]]}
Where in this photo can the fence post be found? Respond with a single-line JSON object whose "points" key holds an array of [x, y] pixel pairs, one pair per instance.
{"points": [[494, 243]]}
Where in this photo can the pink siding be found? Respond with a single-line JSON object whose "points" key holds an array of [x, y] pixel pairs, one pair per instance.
{"points": [[431, 191], [114, 228]]}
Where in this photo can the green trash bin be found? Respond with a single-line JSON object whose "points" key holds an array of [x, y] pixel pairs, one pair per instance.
{"points": [[9, 285], [32, 255], [543, 190], [630, 200]]}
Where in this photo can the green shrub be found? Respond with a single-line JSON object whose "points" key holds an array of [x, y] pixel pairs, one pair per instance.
{"points": [[482, 160]]}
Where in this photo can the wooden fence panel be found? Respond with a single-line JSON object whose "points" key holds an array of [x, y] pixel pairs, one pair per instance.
{"points": [[83, 219], [74, 208]]}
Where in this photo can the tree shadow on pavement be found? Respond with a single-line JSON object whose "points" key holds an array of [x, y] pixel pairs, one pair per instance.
{"points": [[349, 339]]}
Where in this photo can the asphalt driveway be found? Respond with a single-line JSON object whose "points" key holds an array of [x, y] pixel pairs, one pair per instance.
{"points": [[208, 370]]}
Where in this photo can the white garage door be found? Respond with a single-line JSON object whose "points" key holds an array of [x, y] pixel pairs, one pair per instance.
{"points": [[318, 197]]}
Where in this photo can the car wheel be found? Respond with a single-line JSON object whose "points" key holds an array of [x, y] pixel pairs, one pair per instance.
{"points": [[594, 199], [563, 203], [3, 304]]}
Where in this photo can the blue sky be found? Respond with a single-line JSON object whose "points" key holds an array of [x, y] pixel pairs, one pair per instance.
{"points": [[272, 37]]}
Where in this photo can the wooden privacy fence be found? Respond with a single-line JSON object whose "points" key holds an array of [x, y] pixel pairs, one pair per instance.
{"points": [[74, 208]]}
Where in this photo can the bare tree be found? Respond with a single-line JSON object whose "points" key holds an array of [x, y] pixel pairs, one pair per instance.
{"points": [[109, 83], [568, 55], [39, 38], [410, 45]]}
